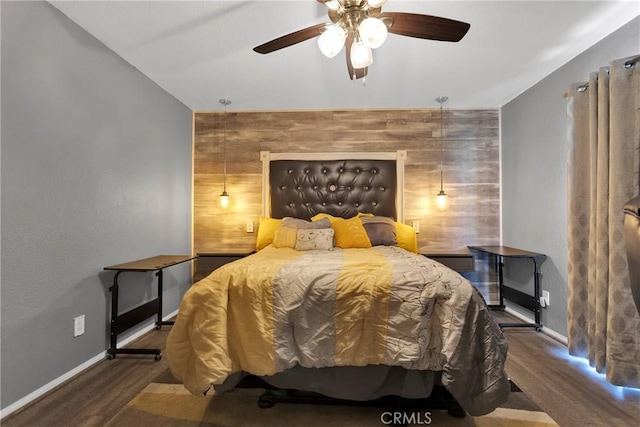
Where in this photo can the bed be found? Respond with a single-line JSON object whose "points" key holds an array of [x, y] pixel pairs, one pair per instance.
{"points": [[337, 301]]}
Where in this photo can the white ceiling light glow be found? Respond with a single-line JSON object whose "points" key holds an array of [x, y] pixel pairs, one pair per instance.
{"points": [[373, 32], [361, 55], [332, 41]]}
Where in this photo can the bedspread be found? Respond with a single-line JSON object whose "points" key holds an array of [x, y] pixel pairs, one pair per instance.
{"points": [[280, 307]]}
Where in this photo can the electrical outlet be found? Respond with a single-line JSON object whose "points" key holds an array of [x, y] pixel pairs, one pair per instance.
{"points": [[416, 226], [544, 301], [250, 227], [78, 326]]}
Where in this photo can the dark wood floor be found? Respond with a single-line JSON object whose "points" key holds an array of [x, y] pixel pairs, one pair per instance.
{"points": [[564, 387], [536, 363]]}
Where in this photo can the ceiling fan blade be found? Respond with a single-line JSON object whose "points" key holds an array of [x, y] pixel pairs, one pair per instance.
{"points": [[426, 26], [291, 39], [354, 73]]}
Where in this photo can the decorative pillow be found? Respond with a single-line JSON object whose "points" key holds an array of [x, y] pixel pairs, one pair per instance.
{"points": [[350, 233], [298, 223], [314, 239], [380, 230], [266, 231], [322, 215], [407, 238], [285, 237]]}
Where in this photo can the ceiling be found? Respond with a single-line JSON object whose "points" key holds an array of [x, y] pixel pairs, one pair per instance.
{"points": [[201, 51]]}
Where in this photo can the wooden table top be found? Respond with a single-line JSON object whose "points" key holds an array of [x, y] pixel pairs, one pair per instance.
{"points": [[453, 253], [153, 263], [507, 251]]}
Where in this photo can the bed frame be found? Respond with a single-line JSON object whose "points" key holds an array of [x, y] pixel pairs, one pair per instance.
{"points": [[342, 184]]}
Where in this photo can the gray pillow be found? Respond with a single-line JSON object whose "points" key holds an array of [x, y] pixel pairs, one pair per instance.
{"points": [[302, 224], [381, 230]]}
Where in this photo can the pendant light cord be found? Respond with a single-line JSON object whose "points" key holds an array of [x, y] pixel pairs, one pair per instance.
{"points": [[441, 100], [224, 152], [225, 102], [441, 150]]}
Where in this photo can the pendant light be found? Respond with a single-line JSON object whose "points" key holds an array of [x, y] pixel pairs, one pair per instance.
{"points": [[224, 198], [442, 201]]}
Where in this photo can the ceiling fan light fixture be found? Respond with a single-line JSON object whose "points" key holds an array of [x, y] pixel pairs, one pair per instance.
{"points": [[333, 4], [361, 55], [358, 39], [376, 3], [373, 32], [332, 40]]}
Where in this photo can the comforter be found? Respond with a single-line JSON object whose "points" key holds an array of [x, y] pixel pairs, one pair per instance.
{"points": [[345, 307]]}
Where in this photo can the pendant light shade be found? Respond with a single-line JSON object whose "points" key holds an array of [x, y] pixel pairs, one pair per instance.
{"points": [[442, 200], [224, 200]]}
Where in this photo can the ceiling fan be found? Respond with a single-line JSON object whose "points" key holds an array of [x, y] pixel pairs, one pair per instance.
{"points": [[360, 26]]}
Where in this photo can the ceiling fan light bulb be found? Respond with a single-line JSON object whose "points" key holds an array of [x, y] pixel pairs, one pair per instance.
{"points": [[361, 55], [332, 40], [333, 4], [373, 32], [376, 3]]}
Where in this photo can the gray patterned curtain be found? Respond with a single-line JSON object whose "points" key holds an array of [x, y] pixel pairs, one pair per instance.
{"points": [[604, 163]]}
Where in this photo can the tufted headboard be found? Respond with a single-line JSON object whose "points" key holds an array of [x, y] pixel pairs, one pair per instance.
{"points": [[301, 185]]}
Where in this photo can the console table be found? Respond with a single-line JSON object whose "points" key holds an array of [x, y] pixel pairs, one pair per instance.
{"points": [[530, 302], [209, 261], [460, 260], [122, 322]]}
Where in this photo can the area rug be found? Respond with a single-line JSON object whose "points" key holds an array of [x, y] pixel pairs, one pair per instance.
{"points": [[167, 403]]}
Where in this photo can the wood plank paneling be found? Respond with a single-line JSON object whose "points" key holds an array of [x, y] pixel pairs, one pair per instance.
{"points": [[471, 167]]}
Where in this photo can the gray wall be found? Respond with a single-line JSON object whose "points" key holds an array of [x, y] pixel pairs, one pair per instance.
{"points": [[534, 170], [96, 170]]}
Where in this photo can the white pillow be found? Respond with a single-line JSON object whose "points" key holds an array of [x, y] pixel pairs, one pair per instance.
{"points": [[314, 239]]}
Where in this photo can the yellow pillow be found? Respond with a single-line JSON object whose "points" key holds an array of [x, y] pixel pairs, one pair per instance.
{"points": [[321, 215], [406, 236], [350, 233], [285, 237], [266, 232]]}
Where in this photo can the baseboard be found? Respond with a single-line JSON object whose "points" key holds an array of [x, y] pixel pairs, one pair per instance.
{"points": [[75, 371], [545, 330]]}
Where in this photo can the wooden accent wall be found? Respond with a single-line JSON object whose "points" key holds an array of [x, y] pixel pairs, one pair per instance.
{"points": [[471, 168]]}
